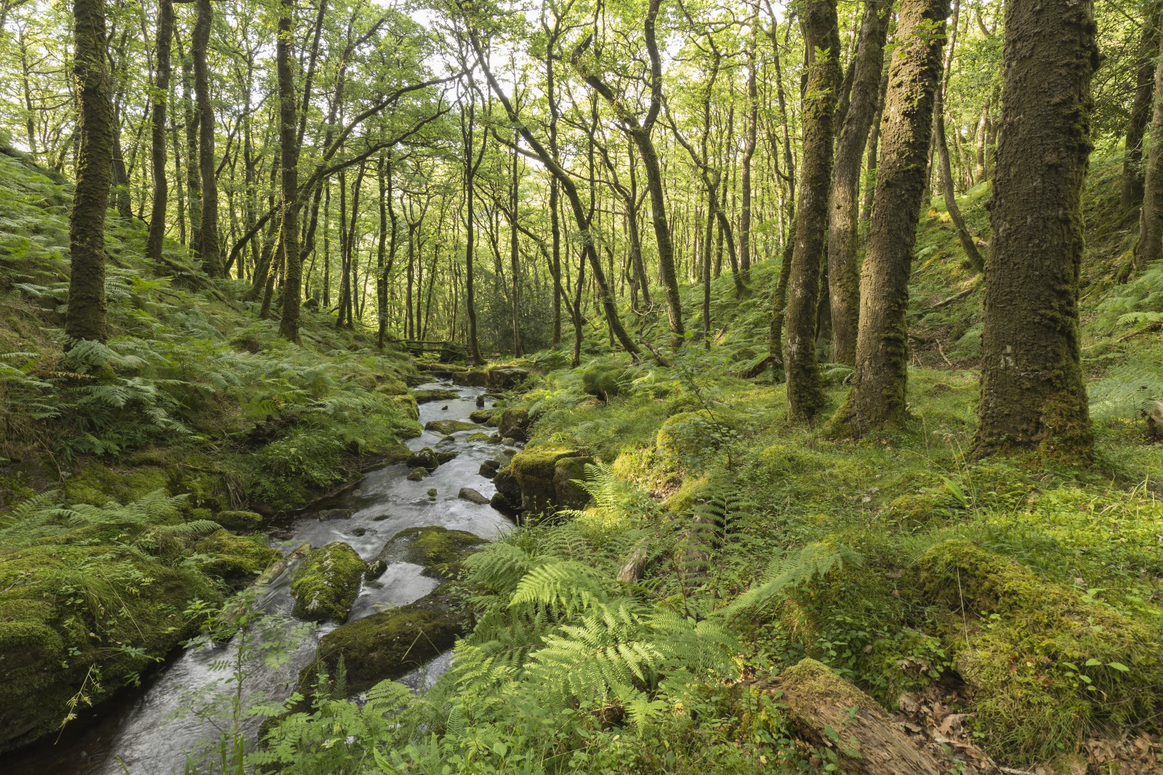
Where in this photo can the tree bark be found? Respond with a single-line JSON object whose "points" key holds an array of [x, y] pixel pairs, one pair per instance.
{"points": [[1032, 391], [209, 249], [843, 271], [1150, 244], [1133, 174], [289, 169], [805, 392], [86, 311], [882, 347], [749, 145], [157, 219]]}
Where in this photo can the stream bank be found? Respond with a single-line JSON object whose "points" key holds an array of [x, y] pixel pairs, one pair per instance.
{"points": [[178, 716]]}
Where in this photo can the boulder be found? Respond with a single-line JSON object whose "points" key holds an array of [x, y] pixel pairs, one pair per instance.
{"points": [[829, 712], [543, 489], [416, 474], [489, 468], [505, 377], [482, 416], [514, 424], [326, 584], [507, 498], [427, 395], [238, 520], [430, 458], [438, 549], [449, 427], [390, 644], [472, 496]]}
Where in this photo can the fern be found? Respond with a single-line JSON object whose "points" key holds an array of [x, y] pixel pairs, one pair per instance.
{"points": [[814, 561], [567, 586]]}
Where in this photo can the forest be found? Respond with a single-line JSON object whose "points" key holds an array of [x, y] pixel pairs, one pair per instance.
{"points": [[552, 386]]}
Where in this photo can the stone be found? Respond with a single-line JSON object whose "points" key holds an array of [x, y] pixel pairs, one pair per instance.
{"points": [[430, 458], [440, 550], [238, 520], [449, 427], [505, 377], [432, 493], [389, 644], [489, 468], [416, 474], [482, 416], [514, 423], [472, 496], [481, 401], [428, 395], [507, 499], [326, 584], [543, 490]]}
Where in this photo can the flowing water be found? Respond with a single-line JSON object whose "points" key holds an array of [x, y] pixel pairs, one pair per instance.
{"points": [[181, 715]]}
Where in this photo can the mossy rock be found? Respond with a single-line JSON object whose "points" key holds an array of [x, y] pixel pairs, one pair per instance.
{"points": [[66, 614], [483, 416], [543, 489], [1030, 649], [429, 458], [238, 520], [605, 378], [438, 549], [449, 427], [688, 442], [514, 423], [428, 395], [326, 584], [390, 644], [505, 377], [234, 558]]}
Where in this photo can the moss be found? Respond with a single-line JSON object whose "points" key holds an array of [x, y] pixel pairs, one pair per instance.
{"points": [[535, 471], [438, 549], [391, 643], [428, 395], [234, 558], [1046, 664], [326, 584], [238, 520], [99, 483], [514, 423]]}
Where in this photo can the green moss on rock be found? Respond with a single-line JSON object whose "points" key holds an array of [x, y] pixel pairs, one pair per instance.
{"points": [[391, 643], [326, 584], [438, 549]]}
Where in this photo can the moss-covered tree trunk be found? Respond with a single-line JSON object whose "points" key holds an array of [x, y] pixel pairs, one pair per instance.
{"points": [[289, 169], [1132, 184], [882, 347], [1150, 245], [822, 38], [1032, 393], [157, 218], [843, 271], [208, 241], [85, 315]]}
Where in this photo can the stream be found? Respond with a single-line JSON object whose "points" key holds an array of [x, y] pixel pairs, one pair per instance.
{"points": [[181, 712]]}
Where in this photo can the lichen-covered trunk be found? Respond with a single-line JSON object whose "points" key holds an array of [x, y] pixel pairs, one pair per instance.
{"points": [[157, 217], [882, 345], [1032, 392], [85, 314], [1132, 184], [208, 241], [843, 271], [1150, 245], [289, 169], [805, 392]]}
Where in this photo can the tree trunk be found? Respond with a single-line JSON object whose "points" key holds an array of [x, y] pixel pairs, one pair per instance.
{"points": [[946, 168], [157, 218], [882, 347], [514, 258], [1032, 391], [85, 314], [1150, 245], [208, 244], [805, 392], [749, 145], [289, 168], [193, 176], [471, 163], [1132, 186], [843, 272]]}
